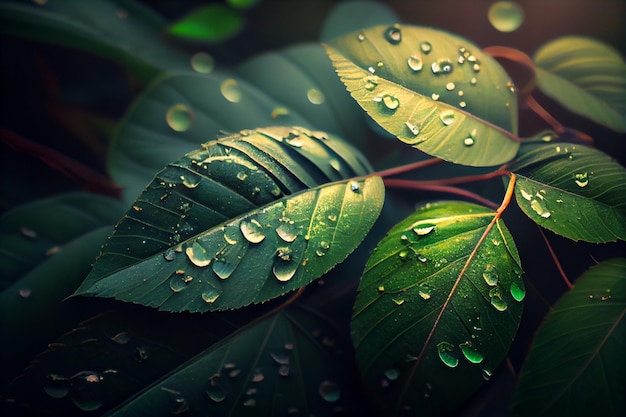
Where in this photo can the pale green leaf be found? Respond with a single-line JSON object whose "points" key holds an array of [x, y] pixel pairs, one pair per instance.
{"points": [[210, 23], [586, 76], [572, 190], [433, 317]]}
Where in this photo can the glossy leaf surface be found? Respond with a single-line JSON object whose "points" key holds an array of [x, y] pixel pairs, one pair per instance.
{"points": [[215, 234], [576, 363], [208, 23], [351, 16], [586, 76], [433, 317], [277, 366], [121, 30], [432, 90], [572, 190]]}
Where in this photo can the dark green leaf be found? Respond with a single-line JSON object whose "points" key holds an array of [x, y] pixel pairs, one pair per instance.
{"points": [[586, 76], [28, 236], [572, 190], [433, 317], [121, 30], [288, 363], [432, 90], [222, 207], [208, 23], [346, 17], [576, 364]]}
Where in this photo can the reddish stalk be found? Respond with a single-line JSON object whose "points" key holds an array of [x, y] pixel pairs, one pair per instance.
{"points": [[409, 167], [516, 56], [424, 186], [505, 203], [555, 259], [543, 113], [468, 178]]}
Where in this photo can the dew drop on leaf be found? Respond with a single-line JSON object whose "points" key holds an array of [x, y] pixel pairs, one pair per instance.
{"points": [[210, 295], [215, 391], [121, 338], [391, 102], [496, 299], [252, 231], [329, 391], [517, 291], [581, 179], [198, 255], [222, 268], [393, 35], [415, 63], [445, 350], [414, 129], [403, 255], [421, 258], [486, 373], [426, 47], [392, 374], [526, 195], [179, 117], [169, 254], [360, 37], [490, 275], [315, 96], [286, 232], [441, 67], [355, 187], [202, 63], [424, 230], [284, 269], [505, 16], [56, 386], [447, 117], [177, 284], [450, 86], [230, 90], [470, 353], [538, 207]]}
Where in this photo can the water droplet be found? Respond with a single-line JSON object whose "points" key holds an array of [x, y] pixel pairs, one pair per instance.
{"points": [[286, 232], [210, 294], [322, 248], [177, 283], [252, 231], [538, 207], [191, 180], [283, 370], [445, 350], [56, 386], [398, 301], [424, 292], [179, 117], [121, 338], [230, 90], [284, 267], [180, 405], [486, 373], [202, 63], [526, 195], [258, 376], [415, 63], [434, 96], [393, 35], [198, 255], [450, 86], [25, 292], [517, 291], [468, 141], [476, 67], [443, 66], [223, 268], [403, 255], [470, 353], [491, 275], [392, 374], [423, 230], [414, 129], [315, 96], [511, 86], [391, 102], [141, 354], [473, 81], [426, 47], [215, 391], [447, 117], [329, 391], [169, 254], [421, 258], [496, 299], [581, 179], [241, 175], [87, 405], [355, 187], [505, 16], [360, 37], [249, 402]]}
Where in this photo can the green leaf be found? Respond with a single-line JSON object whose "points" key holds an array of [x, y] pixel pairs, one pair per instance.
{"points": [[346, 17], [433, 317], [433, 90], [586, 76], [208, 23], [216, 217], [278, 366], [28, 236], [573, 190], [576, 363], [122, 30]]}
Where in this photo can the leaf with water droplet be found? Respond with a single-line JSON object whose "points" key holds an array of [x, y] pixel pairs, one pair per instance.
{"points": [[573, 190], [436, 323], [414, 89], [580, 342], [207, 24], [564, 67]]}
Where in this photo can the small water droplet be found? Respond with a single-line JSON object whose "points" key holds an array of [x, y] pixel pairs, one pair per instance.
{"points": [[490, 275], [526, 195], [505, 16], [215, 391], [177, 283], [434, 96], [169, 254], [414, 129], [426, 47], [249, 402], [230, 90], [581, 179], [441, 67], [141, 354], [241, 176], [450, 86], [258, 376], [468, 141], [390, 102], [25, 292], [252, 231], [421, 258], [473, 81], [179, 117], [476, 67], [424, 292], [447, 117], [355, 187], [202, 63], [315, 96], [415, 63], [445, 350], [496, 299], [538, 207], [329, 391], [360, 37], [56, 386], [392, 374], [398, 301], [470, 353], [403, 255], [511, 86], [210, 294], [517, 291], [322, 248], [393, 35], [198, 255], [191, 180]]}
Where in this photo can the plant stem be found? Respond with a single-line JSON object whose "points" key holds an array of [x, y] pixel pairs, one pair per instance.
{"points": [[408, 167], [543, 113], [555, 259], [517, 56]]}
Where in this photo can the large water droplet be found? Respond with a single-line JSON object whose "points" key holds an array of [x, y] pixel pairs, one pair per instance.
{"points": [[491, 275], [202, 63], [517, 291], [210, 294], [230, 90], [526, 195], [315, 96], [447, 117], [445, 350], [56, 386], [496, 299], [415, 63], [581, 179], [169, 254], [505, 16], [284, 267], [179, 117], [393, 35], [286, 232], [426, 47], [390, 102], [392, 374], [198, 255], [215, 391], [470, 353], [539, 208], [191, 180], [329, 391], [424, 229], [222, 267], [177, 283], [252, 230], [87, 405], [441, 67]]}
